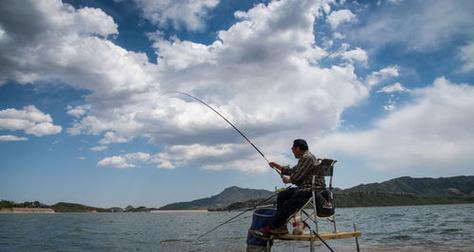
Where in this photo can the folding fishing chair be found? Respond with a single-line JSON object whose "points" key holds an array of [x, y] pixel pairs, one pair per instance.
{"points": [[309, 212]]}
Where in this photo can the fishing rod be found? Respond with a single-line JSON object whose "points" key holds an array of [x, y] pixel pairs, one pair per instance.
{"points": [[231, 124], [229, 220], [319, 237]]}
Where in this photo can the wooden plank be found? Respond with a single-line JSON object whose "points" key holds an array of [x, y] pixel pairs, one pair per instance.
{"points": [[324, 236]]}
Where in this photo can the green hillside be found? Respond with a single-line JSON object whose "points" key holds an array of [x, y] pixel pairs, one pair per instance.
{"points": [[228, 196], [449, 186], [74, 207], [398, 191]]}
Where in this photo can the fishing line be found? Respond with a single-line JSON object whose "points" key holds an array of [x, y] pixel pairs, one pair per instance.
{"points": [[233, 218], [230, 123]]}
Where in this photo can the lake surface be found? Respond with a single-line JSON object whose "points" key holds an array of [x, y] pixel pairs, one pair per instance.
{"points": [[406, 228]]}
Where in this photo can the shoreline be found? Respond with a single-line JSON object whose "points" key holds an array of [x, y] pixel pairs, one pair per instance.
{"points": [[26, 210]]}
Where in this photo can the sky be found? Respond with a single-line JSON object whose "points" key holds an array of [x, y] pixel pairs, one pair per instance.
{"points": [[88, 113]]}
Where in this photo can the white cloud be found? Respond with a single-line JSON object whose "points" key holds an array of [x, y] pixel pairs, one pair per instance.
{"points": [[56, 41], [30, 120], [189, 14], [339, 17], [116, 162], [351, 56], [466, 54], [432, 133], [11, 138], [129, 160], [396, 87], [357, 54], [430, 27], [197, 154], [112, 137], [77, 111], [377, 77], [262, 73]]}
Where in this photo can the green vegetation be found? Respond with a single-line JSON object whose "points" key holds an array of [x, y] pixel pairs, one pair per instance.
{"points": [[395, 192], [29, 204], [62, 207]]}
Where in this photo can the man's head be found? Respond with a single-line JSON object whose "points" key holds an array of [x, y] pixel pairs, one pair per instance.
{"points": [[299, 147]]}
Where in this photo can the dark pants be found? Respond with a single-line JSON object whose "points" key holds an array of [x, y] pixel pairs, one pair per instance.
{"points": [[288, 202]]}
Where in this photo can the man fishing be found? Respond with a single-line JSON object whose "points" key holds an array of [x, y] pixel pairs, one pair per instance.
{"points": [[294, 198]]}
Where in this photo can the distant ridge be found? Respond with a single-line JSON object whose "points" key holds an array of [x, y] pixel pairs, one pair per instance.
{"points": [[398, 191], [394, 192], [444, 186], [228, 196]]}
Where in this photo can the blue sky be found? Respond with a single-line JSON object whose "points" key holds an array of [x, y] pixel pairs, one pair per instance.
{"points": [[385, 87]]}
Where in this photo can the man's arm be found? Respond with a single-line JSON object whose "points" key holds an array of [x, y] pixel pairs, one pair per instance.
{"points": [[285, 170]]}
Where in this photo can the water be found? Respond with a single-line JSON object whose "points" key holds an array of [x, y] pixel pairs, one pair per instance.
{"points": [[406, 228]]}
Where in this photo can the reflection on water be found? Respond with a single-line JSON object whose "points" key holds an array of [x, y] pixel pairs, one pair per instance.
{"points": [[406, 228]]}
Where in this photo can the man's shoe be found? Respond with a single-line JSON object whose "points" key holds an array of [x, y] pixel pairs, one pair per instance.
{"points": [[279, 231]]}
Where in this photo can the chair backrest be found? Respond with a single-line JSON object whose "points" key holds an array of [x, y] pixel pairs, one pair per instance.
{"points": [[328, 169]]}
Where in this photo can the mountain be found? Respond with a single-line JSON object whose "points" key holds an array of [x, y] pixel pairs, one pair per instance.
{"points": [[228, 196], [449, 186], [398, 191]]}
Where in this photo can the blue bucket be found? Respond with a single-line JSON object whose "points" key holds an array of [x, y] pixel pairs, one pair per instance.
{"points": [[261, 218]]}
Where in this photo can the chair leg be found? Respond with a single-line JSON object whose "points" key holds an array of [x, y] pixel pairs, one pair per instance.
{"points": [[356, 239], [315, 211]]}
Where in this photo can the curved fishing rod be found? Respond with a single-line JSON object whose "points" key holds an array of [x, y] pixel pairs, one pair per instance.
{"points": [[231, 124], [229, 220]]}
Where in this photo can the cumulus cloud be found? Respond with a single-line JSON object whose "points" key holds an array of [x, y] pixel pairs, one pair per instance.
{"points": [[339, 17], [129, 160], [379, 76], [46, 40], [351, 56], [210, 157], [199, 154], [116, 162], [466, 54], [187, 14], [77, 111], [394, 88], [112, 137], [253, 73], [430, 27], [30, 120], [433, 132], [11, 138]]}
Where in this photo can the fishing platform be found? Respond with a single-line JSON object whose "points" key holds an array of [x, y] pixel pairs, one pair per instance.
{"points": [[306, 221], [311, 238]]}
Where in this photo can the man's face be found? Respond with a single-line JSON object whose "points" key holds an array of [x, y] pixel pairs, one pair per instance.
{"points": [[296, 152]]}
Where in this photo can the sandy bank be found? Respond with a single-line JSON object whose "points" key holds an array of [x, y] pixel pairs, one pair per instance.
{"points": [[25, 210]]}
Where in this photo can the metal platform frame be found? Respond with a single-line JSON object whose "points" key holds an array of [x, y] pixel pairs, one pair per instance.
{"points": [[309, 215]]}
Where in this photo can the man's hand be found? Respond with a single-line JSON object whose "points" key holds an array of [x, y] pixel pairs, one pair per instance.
{"points": [[286, 179], [276, 166]]}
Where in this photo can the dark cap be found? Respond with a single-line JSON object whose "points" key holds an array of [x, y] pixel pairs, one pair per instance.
{"points": [[300, 143]]}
